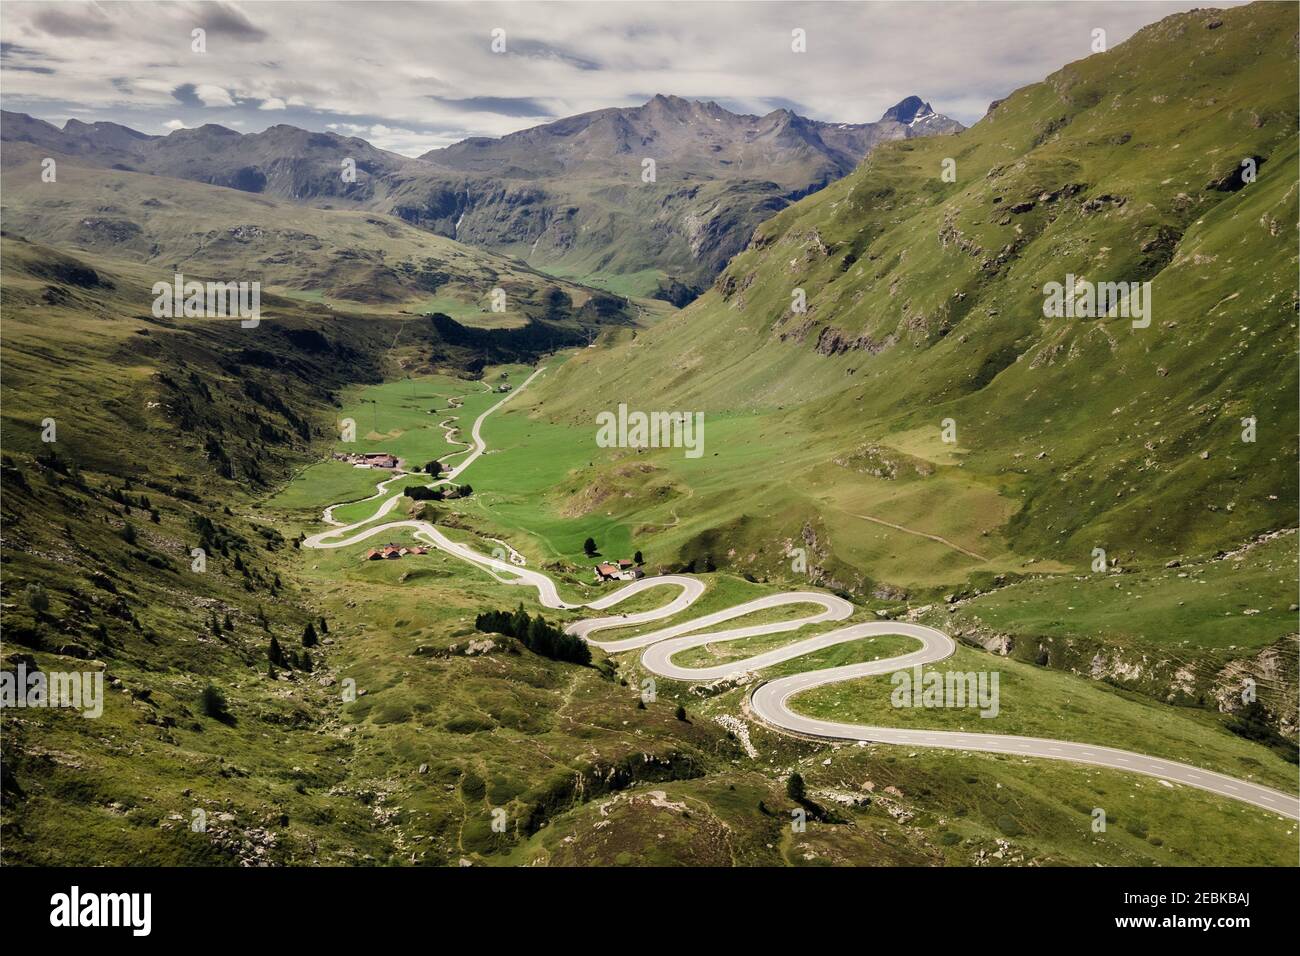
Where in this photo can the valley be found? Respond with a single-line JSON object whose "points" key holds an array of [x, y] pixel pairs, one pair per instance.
{"points": [[575, 588], [769, 699], [938, 575], [396, 621]]}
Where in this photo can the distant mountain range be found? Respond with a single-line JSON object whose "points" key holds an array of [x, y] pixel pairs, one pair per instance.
{"points": [[567, 197], [691, 139]]}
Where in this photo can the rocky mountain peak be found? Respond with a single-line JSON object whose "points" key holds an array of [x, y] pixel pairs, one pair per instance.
{"points": [[908, 110]]}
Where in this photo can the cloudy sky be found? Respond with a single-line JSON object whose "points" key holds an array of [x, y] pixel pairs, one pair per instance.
{"points": [[412, 76]]}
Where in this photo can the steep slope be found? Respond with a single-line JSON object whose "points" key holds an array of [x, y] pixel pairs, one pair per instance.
{"points": [[223, 735], [159, 427], [925, 302], [201, 396]]}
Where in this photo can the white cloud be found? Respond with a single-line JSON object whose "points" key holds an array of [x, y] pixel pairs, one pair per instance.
{"points": [[213, 95], [425, 73], [174, 124]]}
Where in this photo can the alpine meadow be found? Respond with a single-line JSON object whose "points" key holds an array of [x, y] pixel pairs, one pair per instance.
{"points": [[560, 434]]}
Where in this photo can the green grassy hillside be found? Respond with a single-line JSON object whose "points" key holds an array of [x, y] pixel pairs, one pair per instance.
{"points": [[157, 428], [824, 430], [401, 735], [925, 303], [488, 740], [165, 432], [341, 259]]}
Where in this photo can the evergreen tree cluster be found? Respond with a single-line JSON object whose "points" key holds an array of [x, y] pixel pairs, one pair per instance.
{"points": [[213, 704], [536, 634], [289, 659], [441, 492]]}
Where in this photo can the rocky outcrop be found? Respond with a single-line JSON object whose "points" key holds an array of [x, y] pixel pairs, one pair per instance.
{"points": [[833, 341]]}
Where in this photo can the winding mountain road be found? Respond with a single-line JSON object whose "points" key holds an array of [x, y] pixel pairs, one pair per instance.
{"points": [[770, 700]]}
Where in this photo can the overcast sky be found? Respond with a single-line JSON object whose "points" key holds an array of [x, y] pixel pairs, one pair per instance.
{"points": [[412, 76]]}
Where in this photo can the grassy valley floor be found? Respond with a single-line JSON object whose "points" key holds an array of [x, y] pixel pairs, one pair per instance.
{"points": [[584, 773]]}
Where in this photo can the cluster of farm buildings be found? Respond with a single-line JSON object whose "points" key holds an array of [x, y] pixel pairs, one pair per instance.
{"points": [[392, 552], [623, 570], [370, 459]]}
